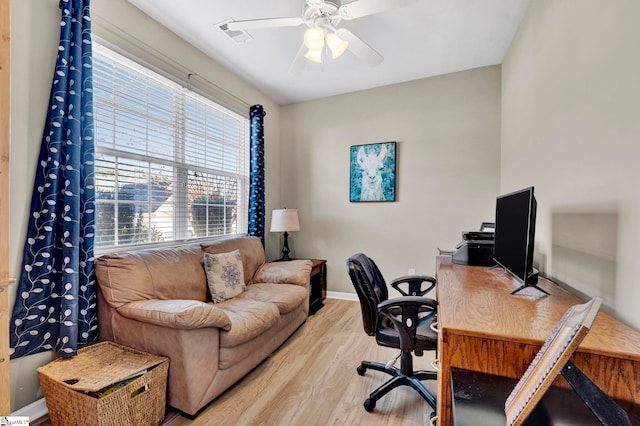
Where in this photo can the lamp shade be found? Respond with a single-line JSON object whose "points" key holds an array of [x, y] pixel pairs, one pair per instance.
{"points": [[314, 55], [336, 44], [284, 220], [314, 38]]}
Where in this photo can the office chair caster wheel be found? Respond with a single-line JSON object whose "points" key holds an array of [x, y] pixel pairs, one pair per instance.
{"points": [[361, 370], [369, 405]]}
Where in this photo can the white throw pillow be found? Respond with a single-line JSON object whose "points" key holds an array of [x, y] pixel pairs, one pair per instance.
{"points": [[225, 275]]}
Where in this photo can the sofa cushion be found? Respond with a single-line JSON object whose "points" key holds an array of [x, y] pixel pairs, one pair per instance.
{"points": [[181, 314], [225, 275], [290, 272], [249, 318], [286, 297], [250, 248], [166, 273]]}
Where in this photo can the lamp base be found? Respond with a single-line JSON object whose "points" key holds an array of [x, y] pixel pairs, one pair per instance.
{"points": [[285, 248]]}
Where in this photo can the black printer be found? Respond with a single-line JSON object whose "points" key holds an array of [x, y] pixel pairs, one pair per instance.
{"points": [[476, 247]]}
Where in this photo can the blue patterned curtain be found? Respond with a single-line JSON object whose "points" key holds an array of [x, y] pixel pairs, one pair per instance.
{"points": [[256, 186], [55, 305]]}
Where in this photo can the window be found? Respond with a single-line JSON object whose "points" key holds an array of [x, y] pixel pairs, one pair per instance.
{"points": [[171, 165]]}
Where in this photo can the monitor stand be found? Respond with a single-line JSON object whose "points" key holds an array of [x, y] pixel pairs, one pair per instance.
{"points": [[531, 281]]}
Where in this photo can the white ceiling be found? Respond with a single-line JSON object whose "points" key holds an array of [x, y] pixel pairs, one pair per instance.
{"points": [[422, 39]]}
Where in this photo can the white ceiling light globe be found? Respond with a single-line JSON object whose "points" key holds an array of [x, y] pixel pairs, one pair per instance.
{"points": [[314, 38]]}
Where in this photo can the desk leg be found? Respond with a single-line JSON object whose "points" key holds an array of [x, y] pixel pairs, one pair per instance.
{"points": [[444, 382]]}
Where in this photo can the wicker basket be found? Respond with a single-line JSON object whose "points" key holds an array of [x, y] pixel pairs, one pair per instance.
{"points": [[81, 391]]}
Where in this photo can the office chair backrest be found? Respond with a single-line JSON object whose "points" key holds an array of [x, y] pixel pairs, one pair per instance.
{"points": [[370, 287]]}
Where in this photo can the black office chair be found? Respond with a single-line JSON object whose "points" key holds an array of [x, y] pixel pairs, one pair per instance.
{"points": [[402, 323]]}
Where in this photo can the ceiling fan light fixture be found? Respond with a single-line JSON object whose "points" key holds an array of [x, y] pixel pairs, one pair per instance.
{"points": [[337, 45], [314, 38], [314, 55]]}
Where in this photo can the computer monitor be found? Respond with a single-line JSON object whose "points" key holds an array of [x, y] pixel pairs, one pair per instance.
{"points": [[515, 236]]}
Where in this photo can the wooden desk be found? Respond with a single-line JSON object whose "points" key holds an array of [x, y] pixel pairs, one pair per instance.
{"points": [[483, 328]]}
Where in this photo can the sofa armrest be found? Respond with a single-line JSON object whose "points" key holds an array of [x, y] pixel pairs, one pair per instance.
{"points": [[296, 272], [180, 314]]}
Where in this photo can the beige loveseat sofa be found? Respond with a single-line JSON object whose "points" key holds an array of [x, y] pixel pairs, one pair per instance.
{"points": [[158, 301]]}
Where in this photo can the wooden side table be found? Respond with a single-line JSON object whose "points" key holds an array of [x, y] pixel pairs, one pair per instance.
{"points": [[318, 285]]}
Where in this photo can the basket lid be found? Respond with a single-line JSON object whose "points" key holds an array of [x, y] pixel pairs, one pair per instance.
{"points": [[100, 365]]}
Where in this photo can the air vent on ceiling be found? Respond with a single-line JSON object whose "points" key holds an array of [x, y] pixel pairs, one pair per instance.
{"points": [[238, 36]]}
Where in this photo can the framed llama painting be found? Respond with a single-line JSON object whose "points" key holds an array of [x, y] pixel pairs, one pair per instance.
{"points": [[373, 172]]}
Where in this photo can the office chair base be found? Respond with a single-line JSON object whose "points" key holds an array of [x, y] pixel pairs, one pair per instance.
{"points": [[399, 379]]}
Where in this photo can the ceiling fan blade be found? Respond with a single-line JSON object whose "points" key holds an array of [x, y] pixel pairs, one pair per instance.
{"points": [[252, 24], [299, 61], [360, 8], [362, 50], [315, 3]]}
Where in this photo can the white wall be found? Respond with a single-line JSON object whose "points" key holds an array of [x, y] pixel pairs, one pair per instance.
{"points": [[34, 38], [448, 134], [33, 46], [570, 127]]}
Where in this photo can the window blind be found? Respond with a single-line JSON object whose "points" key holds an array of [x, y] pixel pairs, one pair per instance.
{"points": [[171, 164]]}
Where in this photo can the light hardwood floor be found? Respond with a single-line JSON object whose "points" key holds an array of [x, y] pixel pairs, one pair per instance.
{"points": [[311, 380]]}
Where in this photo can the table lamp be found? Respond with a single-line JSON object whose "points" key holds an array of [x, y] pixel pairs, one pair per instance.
{"points": [[285, 220]]}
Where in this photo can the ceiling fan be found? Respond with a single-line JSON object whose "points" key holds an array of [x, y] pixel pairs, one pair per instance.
{"points": [[322, 18]]}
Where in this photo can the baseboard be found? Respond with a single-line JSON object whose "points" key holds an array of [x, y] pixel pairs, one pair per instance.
{"points": [[34, 411], [342, 296]]}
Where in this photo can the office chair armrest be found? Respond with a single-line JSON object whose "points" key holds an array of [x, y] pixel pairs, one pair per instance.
{"points": [[415, 284], [408, 301], [407, 320]]}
